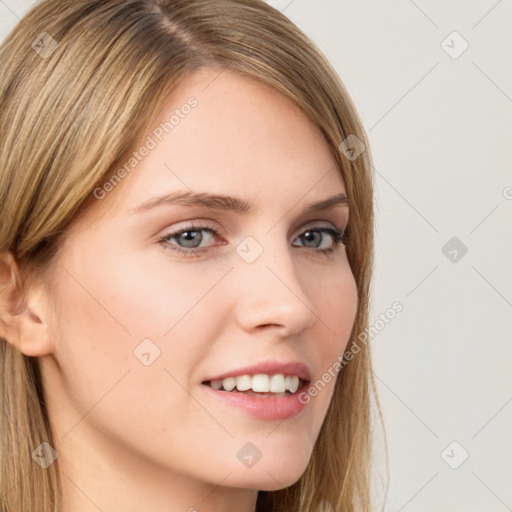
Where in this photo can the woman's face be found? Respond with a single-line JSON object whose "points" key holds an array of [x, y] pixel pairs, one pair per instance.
{"points": [[146, 316]]}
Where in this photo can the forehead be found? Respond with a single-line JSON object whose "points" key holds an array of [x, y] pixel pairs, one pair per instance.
{"points": [[223, 133]]}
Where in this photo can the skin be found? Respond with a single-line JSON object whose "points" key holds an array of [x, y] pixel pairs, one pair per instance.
{"points": [[132, 437]]}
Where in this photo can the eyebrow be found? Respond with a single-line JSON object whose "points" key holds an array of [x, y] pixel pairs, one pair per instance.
{"points": [[227, 203]]}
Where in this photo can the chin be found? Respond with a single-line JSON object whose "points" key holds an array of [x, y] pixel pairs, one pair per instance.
{"points": [[268, 478]]}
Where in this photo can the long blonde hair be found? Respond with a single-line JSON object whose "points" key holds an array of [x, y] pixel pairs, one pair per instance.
{"points": [[80, 82]]}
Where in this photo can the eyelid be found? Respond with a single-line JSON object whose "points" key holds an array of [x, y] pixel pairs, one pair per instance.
{"points": [[193, 224], [321, 223], [206, 223]]}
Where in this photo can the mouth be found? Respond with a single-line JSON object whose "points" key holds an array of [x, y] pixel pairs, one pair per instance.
{"points": [[260, 385], [262, 405]]}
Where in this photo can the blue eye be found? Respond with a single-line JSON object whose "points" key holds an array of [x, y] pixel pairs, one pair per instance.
{"points": [[187, 241], [315, 234]]}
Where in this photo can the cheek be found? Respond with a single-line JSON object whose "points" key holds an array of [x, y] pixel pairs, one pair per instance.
{"points": [[336, 307], [117, 316], [105, 384], [336, 304], [120, 296], [155, 295]]}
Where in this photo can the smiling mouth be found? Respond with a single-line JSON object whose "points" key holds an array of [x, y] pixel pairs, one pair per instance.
{"points": [[259, 385]]}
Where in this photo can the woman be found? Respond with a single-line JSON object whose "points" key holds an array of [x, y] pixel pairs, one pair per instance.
{"points": [[181, 285]]}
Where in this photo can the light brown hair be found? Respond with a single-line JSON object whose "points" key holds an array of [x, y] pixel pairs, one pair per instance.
{"points": [[73, 106]]}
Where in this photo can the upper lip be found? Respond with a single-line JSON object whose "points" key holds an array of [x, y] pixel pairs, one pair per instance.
{"points": [[270, 368]]}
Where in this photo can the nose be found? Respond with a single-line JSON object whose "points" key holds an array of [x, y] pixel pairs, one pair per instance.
{"points": [[270, 292]]}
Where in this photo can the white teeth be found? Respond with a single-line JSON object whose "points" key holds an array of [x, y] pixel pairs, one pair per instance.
{"points": [[260, 383], [243, 383], [294, 384], [216, 384], [229, 383], [277, 384]]}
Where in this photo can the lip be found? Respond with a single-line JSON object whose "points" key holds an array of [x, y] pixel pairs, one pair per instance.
{"points": [[265, 407], [287, 368]]}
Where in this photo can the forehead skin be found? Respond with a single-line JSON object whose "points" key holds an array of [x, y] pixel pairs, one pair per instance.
{"points": [[242, 138]]}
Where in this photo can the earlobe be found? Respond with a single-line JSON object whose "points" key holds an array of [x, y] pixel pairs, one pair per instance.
{"points": [[24, 320]]}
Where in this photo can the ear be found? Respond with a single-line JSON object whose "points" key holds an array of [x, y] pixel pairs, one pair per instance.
{"points": [[24, 317]]}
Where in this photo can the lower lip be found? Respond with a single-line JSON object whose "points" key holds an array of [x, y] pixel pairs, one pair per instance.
{"points": [[266, 407]]}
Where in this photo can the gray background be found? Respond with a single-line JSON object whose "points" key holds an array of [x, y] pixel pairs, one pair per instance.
{"points": [[440, 127]]}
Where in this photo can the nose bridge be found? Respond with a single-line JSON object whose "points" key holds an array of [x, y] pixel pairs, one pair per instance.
{"points": [[271, 289]]}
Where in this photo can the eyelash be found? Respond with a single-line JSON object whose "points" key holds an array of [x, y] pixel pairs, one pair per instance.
{"points": [[339, 237]]}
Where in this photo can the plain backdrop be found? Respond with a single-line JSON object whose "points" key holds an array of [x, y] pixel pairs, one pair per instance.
{"points": [[433, 83]]}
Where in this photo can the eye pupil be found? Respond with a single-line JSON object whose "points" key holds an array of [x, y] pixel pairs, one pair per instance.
{"points": [[191, 236], [311, 235]]}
